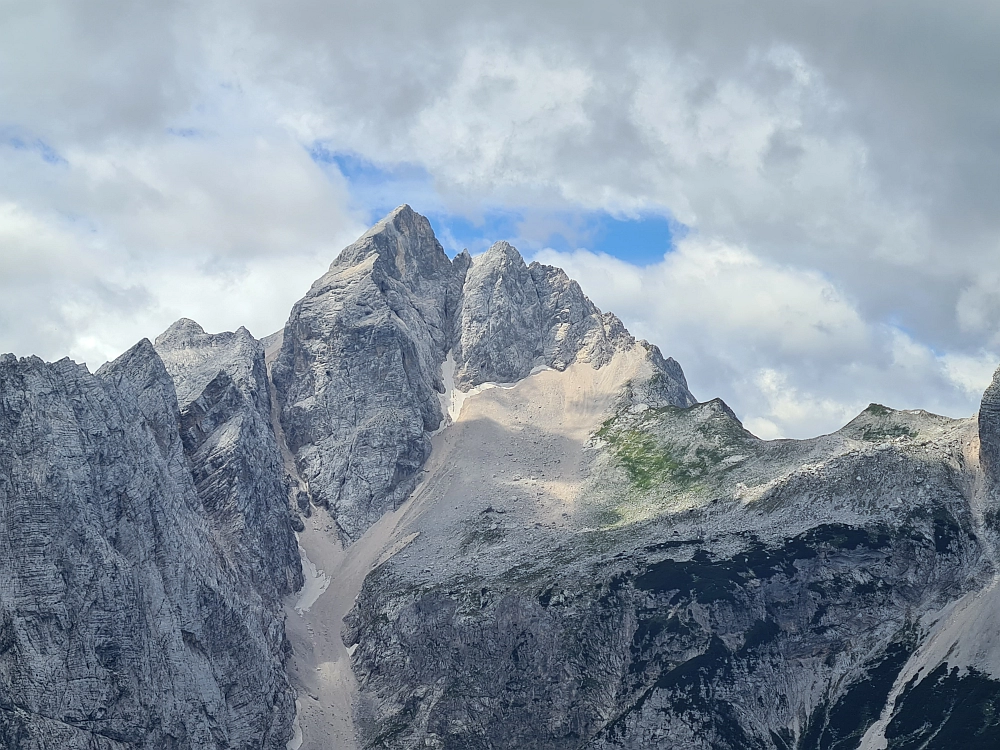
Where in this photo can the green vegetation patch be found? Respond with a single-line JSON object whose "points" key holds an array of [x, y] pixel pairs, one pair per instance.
{"points": [[878, 410], [884, 426], [648, 462]]}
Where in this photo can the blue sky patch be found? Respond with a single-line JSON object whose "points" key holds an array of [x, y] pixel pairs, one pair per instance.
{"points": [[642, 240], [184, 132], [377, 189], [457, 232], [48, 154]]}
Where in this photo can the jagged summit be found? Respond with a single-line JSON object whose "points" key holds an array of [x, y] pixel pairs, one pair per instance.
{"points": [[183, 329], [500, 252], [194, 357], [224, 403], [360, 373], [405, 247]]}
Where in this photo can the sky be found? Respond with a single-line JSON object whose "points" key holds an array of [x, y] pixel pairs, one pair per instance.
{"points": [[795, 200]]}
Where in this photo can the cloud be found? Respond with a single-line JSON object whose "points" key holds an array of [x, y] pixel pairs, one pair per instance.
{"points": [[836, 166], [102, 70], [784, 346], [127, 238]]}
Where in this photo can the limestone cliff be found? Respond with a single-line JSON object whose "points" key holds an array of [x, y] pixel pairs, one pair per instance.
{"points": [[121, 623], [225, 428]]}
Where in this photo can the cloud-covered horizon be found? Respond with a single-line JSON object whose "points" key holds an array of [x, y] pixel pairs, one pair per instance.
{"points": [[826, 175]]}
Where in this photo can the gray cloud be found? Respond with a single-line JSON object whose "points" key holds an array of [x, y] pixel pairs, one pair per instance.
{"points": [[852, 145]]}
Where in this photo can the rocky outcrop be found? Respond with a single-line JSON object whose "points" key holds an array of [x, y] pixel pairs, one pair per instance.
{"points": [[710, 591], [121, 623], [225, 427], [359, 375], [359, 371], [989, 433], [514, 318]]}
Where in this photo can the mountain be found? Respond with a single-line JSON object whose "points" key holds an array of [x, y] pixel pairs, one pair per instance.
{"points": [[454, 505], [123, 622], [360, 373], [224, 399]]}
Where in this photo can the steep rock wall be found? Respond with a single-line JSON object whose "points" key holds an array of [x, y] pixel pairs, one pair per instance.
{"points": [[121, 625], [225, 428]]}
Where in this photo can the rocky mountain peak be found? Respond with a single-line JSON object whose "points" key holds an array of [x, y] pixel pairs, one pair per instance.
{"points": [[405, 248], [194, 357], [224, 418], [360, 375], [139, 373], [501, 256], [182, 331]]}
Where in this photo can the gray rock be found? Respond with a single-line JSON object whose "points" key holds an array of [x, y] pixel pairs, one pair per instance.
{"points": [[225, 427], [359, 371], [121, 624], [359, 374], [514, 318], [500, 321], [774, 623], [989, 433]]}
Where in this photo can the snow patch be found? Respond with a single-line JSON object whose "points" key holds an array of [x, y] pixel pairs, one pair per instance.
{"points": [[452, 398], [296, 742], [315, 584]]}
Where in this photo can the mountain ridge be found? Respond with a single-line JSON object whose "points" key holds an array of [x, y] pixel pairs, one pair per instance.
{"points": [[452, 504], [395, 291]]}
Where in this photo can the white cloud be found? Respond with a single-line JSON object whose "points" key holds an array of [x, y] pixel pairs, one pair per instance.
{"points": [[227, 231], [783, 346], [972, 373], [837, 164]]}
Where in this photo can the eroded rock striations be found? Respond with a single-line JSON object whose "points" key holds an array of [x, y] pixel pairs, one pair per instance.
{"points": [[989, 433], [359, 370], [121, 623], [225, 427], [514, 318]]}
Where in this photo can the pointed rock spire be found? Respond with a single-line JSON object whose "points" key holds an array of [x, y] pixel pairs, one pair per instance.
{"points": [[405, 246], [359, 371]]}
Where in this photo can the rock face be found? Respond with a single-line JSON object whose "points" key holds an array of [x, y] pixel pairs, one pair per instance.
{"points": [[989, 432], [515, 317], [359, 371], [225, 427], [359, 377], [709, 590], [121, 623], [588, 558]]}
